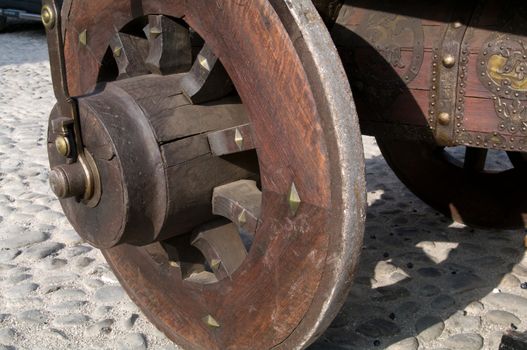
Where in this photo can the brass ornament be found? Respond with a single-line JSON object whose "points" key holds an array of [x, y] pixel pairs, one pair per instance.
{"points": [[449, 61], [62, 145], [502, 69], [48, 17], [294, 199], [83, 37], [211, 322], [444, 118]]}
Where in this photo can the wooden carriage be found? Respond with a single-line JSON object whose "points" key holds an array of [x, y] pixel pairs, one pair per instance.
{"points": [[212, 148]]}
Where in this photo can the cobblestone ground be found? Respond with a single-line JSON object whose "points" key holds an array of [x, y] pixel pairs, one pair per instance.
{"points": [[423, 283]]}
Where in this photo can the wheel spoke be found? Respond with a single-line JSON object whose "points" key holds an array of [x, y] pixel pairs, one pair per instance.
{"points": [[223, 248], [232, 140], [130, 52], [207, 79], [475, 159], [239, 202], [170, 47]]}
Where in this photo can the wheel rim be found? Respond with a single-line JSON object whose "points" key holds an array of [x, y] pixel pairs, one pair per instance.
{"points": [[298, 270], [466, 191]]}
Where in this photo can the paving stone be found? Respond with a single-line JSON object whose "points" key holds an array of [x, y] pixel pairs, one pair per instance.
{"points": [[443, 302], [32, 316], [430, 272], [43, 250], [21, 290], [110, 294], [133, 342], [101, 327], [464, 282], [406, 310], [465, 341], [7, 335], [429, 291], [391, 293], [68, 294], [486, 262], [509, 281], [8, 255], [429, 327], [405, 344], [474, 308], [129, 322], [508, 302], [67, 306], [16, 278], [501, 317], [462, 323], [71, 320], [378, 328], [23, 239]]}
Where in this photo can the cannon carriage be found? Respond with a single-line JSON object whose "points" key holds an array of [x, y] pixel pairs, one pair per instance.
{"points": [[212, 149]]}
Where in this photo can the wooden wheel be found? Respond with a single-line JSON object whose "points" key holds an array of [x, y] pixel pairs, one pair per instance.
{"points": [[461, 184], [233, 226]]}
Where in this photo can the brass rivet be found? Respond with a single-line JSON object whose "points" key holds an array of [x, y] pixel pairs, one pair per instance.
{"points": [[48, 17], [174, 264], [211, 322], [83, 38], [62, 145], [449, 61], [443, 118], [204, 62], [294, 199], [215, 264], [117, 51], [155, 32], [238, 138], [242, 218]]}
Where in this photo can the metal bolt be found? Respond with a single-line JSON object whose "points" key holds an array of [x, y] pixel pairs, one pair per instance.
{"points": [[294, 199], [62, 145], [48, 17], [449, 61], [443, 118], [83, 38], [68, 180]]}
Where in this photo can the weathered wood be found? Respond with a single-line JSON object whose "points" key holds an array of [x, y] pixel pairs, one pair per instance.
{"points": [[129, 52], [170, 47], [279, 58]]}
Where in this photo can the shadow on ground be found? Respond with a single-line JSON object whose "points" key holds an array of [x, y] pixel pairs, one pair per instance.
{"points": [[418, 269]]}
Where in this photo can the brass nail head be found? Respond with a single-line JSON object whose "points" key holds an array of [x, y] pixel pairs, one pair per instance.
{"points": [[117, 51], [238, 138], [62, 145], [48, 17], [294, 199], [83, 37], [215, 264], [211, 322], [155, 32], [449, 61], [242, 218], [204, 62], [444, 118]]}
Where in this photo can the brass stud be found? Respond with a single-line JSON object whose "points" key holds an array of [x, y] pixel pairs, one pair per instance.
{"points": [[215, 264], [211, 322], [242, 218], [449, 61], [443, 118], [83, 38], [238, 138], [155, 32], [174, 264], [62, 145], [204, 62], [117, 51], [48, 17], [294, 199]]}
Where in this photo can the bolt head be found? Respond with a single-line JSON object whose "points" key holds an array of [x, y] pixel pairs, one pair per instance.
{"points": [[48, 17], [449, 61], [62, 145], [444, 118]]}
